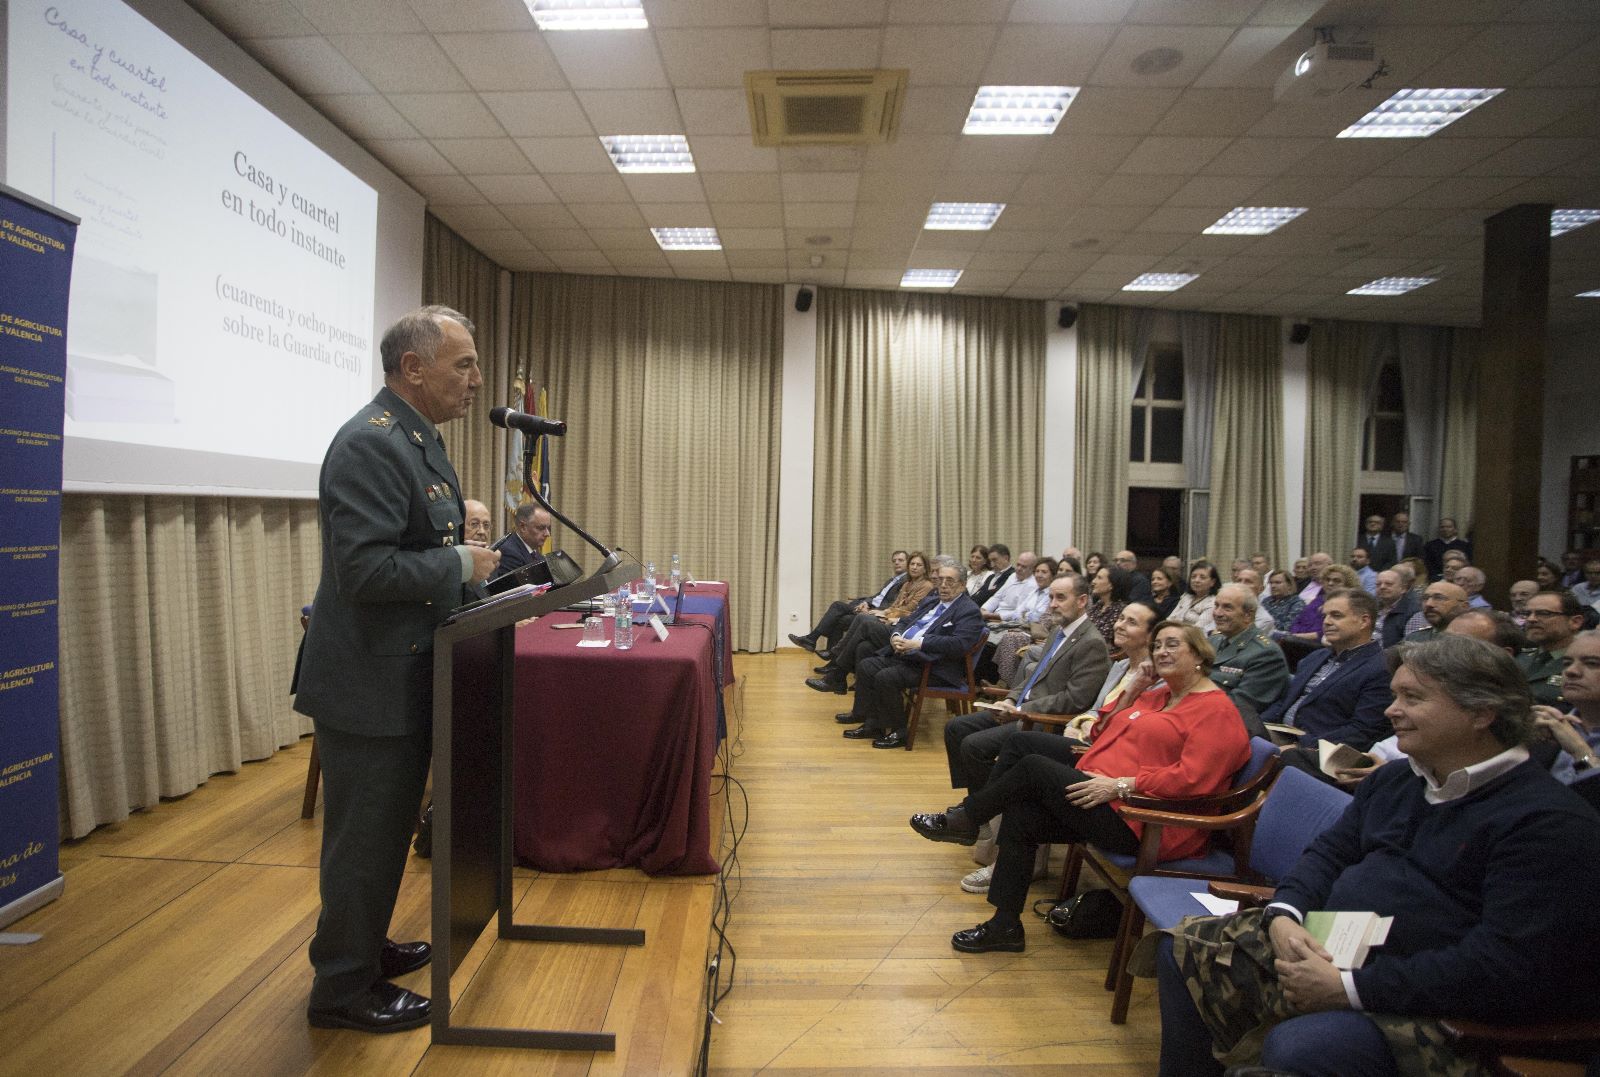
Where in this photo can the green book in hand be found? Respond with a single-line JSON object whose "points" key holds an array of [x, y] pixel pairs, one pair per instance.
{"points": [[1348, 936]]}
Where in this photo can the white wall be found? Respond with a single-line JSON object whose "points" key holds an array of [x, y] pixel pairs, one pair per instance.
{"points": [[795, 447], [1571, 390]]}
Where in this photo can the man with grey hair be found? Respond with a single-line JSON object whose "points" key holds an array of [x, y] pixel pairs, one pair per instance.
{"points": [[475, 530], [394, 564], [1249, 666], [525, 544], [1472, 580], [1466, 845]]}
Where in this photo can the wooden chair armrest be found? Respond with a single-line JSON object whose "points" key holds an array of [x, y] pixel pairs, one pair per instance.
{"points": [[1246, 895], [1150, 816], [1578, 1031], [1055, 721], [993, 691]]}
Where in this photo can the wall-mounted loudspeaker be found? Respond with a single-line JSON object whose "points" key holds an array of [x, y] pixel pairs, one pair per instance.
{"points": [[1299, 333], [1067, 317], [802, 300]]}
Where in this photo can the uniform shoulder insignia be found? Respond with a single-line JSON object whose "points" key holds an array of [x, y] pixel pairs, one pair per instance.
{"points": [[1261, 638], [380, 420], [416, 437]]}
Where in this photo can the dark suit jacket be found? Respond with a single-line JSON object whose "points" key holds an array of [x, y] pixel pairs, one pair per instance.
{"points": [[1072, 680], [945, 643], [1380, 554], [514, 554], [1138, 587], [993, 584], [390, 513], [1347, 707], [1406, 545], [1394, 624]]}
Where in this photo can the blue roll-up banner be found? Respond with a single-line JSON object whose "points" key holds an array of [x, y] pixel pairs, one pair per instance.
{"points": [[35, 270]]}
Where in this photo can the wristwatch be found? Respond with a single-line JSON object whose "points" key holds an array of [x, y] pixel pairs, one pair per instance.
{"points": [[1587, 762], [1124, 787]]}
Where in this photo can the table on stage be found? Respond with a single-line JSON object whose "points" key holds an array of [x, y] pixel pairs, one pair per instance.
{"points": [[614, 749]]}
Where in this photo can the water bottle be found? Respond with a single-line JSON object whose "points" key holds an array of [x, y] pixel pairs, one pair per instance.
{"points": [[649, 584], [623, 636], [677, 572]]}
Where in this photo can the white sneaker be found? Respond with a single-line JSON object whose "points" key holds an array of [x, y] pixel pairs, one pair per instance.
{"points": [[977, 882]]}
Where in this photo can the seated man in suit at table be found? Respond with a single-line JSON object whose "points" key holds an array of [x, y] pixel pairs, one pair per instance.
{"points": [[525, 544], [939, 633], [475, 528], [1340, 692]]}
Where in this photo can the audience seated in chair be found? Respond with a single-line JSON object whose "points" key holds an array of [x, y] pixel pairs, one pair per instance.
{"points": [[833, 623], [1248, 665], [1466, 846], [1194, 607], [1554, 617], [1340, 692], [1442, 602]]}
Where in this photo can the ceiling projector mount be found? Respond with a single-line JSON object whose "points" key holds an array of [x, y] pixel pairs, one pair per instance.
{"points": [[1328, 69]]}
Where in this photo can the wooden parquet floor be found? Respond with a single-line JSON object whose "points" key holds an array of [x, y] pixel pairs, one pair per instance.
{"points": [[179, 945]]}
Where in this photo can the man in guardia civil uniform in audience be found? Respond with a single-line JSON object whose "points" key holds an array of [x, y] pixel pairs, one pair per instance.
{"points": [[1249, 666]]}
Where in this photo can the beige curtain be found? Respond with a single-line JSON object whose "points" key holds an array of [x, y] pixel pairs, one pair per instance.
{"points": [[455, 274], [672, 393], [179, 628], [1247, 497], [1456, 489], [928, 430], [1338, 358], [1112, 346]]}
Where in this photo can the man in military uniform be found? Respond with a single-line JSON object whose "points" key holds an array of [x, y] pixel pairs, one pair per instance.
{"points": [[393, 566], [1554, 617], [1249, 666]]}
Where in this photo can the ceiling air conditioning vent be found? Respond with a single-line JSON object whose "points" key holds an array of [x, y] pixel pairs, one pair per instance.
{"points": [[792, 108]]}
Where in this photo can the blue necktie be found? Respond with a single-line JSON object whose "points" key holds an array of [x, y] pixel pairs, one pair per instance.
{"points": [[931, 616], [1044, 661]]}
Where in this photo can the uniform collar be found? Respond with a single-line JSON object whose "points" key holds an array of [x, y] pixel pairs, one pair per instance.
{"points": [[422, 420]]}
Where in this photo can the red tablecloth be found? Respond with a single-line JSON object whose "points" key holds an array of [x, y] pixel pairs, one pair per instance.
{"points": [[614, 750]]}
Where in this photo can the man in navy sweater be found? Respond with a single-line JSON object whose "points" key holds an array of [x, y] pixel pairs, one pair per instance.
{"points": [[1474, 850]]}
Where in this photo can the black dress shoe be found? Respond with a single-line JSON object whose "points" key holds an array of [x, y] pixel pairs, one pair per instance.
{"points": [[399, 958], [826, 684], [860, 732], [952, 824], [384, 1008], [987, 938], [847, 718], [805, 642], [895, 738], [826, 667]]}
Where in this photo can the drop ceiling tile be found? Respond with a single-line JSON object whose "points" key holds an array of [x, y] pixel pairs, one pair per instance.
{"points": [[733, 153], [532, 218], [1212, 191], [741, 187], [1153, 243], [1521, 111], [821, 158], [912, 153], [538, 113], [1349, 157], [1186, 219], [939, 55], [676, 214], [1095, 11], [1254, 56], [594, 215], [1101, 220], [976, 186], [594, 187], [965, 242], [470, 217], [665, 188], [410, 156], [1323, 119], [448, 16], [614, 240], [486, 156], [447, 115], [975, 154], [363, 115], [758, 259], [827, 12], [771, 239], [675, 13], [748, 214], [637, 262], [940, 110], [1147, 191], [566, 154], [608, 59], [631, 112], [1017, 242], [871, 278], [241, 19], [513, 190], [310, 65], [517, 60], [819, 186], [580, 261], [1062, 193], [448, 190], [400, 63], [1172, 155], [537, 262], [1015, 261], [1030, 218], [484, 238], [360, 16], [1463, 192], [1196, 47], [560, 239], [1501, 55], [1534, 156], [714, 112], [818, 214], [1215, 112], [821, 50], [714, 57], [1117, 110], [986, 279], [948, 11], [1261, 156], [1441, 156], [698, 263], [1045, 55]]}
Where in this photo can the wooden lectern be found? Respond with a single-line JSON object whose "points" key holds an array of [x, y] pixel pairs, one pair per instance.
{"points": [[473, 658]]}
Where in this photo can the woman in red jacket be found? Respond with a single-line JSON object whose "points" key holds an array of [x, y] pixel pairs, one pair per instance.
{"points": [[1180, 737]]}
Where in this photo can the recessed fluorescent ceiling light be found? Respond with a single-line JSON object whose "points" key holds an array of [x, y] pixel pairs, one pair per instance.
{"points": [[930, 278], [1588, 295], [1254, 220], [649, 153], [964, 216], [1158, 282], [1417, 113], [687, 239], [1565, 220], [1391, 286], [1018, 110], [588, 14]]}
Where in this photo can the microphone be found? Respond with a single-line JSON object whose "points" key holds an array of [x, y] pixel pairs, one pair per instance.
{"points": [[528, 424]]}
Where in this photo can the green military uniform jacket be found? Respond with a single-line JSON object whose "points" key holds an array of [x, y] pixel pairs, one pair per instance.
{"points": [[390, 515], [1249, 667], [1543, 670]]}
